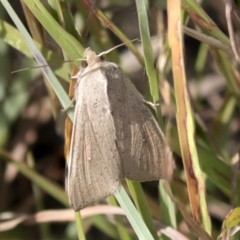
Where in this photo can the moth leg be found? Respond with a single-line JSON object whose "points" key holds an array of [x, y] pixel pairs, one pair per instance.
{"points": [[153, 105], [74, 77]]}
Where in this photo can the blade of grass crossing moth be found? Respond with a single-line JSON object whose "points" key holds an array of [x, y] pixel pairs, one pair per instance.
{"points": [[36, 32], [167, 207], [133, 216], [122, 230], [141, 204], [79, 225]]}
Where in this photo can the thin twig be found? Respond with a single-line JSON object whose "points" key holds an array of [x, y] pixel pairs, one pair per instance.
{"points": [[207, 39]]}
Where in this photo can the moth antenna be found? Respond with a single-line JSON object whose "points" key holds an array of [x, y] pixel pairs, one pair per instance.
{"points": [[119, 45], [47, 65], [78, 59], [28, 68]]}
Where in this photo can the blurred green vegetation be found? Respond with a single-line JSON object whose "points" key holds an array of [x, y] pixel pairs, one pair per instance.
{"points": [[32, 123]]}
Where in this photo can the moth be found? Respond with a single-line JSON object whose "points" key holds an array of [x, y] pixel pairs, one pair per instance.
{"points": [[115, 135]]}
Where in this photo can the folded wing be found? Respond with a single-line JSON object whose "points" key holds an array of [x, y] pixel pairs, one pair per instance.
{"points": [[94, 169], [143, 149]]}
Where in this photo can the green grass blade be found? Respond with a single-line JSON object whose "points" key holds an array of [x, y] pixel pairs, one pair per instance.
{"points": [[62, 95], [147, 48], [141, 204], [122, 230], [152, 76], [133, 216], [13, 37], [79, 223], [64, 39]]}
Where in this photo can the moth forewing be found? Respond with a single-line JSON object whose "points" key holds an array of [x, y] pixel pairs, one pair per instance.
{"points": [[144, 152], [94, 161]]}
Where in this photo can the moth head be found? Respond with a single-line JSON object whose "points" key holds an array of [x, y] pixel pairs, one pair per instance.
{"points": [[91, 57]]}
